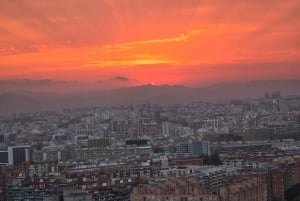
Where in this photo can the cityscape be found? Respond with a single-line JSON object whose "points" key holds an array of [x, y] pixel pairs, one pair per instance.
{"points": [[149, 100], [232, 150]]}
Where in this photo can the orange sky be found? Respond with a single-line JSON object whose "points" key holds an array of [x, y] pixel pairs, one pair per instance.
{"points": [[114, 43]]}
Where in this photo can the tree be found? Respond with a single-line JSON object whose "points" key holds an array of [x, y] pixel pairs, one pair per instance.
{"points": [[214, 159]]}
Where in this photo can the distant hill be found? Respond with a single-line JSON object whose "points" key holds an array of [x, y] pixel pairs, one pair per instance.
{"points": [[10, 102], [162, 94]]}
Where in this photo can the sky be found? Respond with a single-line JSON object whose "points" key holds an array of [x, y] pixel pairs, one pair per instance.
{"points": [[103, 44]]}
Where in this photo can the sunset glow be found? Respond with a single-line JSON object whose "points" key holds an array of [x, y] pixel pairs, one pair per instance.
{"points": [[188, 42]]}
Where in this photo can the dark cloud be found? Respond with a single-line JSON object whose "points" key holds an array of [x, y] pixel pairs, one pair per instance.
{"points": [[121, 78], [116, 80]]}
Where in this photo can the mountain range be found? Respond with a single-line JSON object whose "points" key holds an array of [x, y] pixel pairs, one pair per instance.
{"points": [[24, 101]]}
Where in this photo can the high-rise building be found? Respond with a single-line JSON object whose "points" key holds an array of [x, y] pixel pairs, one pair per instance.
{"points": [[193, 148], [168, 128], [15, 155]]}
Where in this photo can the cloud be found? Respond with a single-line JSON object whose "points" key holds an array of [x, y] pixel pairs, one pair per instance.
{"points": [[132, 60], [116, 82], [59, 23], [67, 23], [121, 78], [61, 38], [127, 46]]}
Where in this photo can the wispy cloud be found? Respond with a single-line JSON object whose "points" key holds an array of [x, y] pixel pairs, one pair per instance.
{"points": [[126, 46], [130, 49], [134, 60]]}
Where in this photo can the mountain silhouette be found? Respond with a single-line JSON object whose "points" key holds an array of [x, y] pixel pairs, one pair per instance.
{"points": [[161, 94]]}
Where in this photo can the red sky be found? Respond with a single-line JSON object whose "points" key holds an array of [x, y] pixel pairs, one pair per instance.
{"points": [[113, 43]]}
